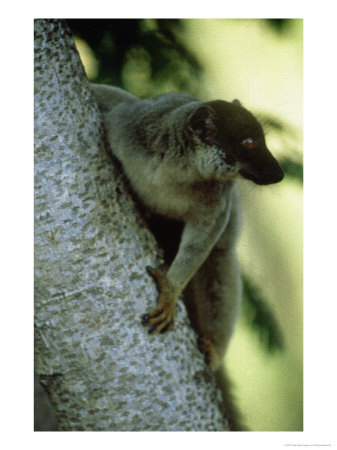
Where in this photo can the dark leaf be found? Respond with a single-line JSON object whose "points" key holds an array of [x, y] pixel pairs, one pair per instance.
{"points": [[260, 317]]}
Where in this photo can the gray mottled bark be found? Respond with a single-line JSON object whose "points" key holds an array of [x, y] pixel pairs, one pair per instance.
{"points": [[101, 369]]}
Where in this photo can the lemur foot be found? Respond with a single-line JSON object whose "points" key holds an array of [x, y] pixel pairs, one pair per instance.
{"points": [[212, 358], [161, 318]]}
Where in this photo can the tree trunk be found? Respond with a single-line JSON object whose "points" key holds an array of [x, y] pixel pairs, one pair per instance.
{"points": [[98, 364]]}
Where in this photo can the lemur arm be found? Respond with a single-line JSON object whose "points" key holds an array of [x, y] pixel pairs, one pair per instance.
{"points": [[199, 236]]}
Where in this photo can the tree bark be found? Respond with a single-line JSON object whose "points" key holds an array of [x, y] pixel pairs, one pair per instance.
{"points": [[99, 366]]}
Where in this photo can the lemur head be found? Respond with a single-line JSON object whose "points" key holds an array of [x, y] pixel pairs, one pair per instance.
{"points": [[230, 142]]}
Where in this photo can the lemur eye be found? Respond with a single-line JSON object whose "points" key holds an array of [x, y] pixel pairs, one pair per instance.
{"points": [[248, 143]]}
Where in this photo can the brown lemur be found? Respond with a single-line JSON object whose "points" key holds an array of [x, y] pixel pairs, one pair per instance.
{"points": [[183, 158]]}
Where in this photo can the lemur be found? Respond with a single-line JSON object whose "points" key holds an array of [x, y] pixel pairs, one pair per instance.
{"points": [[183, 158]]}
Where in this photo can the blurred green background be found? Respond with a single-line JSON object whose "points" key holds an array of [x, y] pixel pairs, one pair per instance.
{"points": [[258, 61]]}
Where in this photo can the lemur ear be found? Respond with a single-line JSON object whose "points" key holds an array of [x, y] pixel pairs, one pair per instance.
{"points": [[201, 124], [236, 102]]}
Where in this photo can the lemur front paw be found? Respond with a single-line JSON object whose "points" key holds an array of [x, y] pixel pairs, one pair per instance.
{"points": [[206, 346], [161, 318]]}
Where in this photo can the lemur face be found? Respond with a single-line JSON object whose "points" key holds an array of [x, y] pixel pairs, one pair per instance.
{"points": [[239, 137]]}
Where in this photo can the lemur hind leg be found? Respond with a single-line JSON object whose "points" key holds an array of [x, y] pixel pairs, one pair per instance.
{"points": [[213, 299]]}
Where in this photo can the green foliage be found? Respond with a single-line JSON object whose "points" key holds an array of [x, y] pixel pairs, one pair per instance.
{"points": [[280, 26], [148, 48], [292, 169], [260, 317]]}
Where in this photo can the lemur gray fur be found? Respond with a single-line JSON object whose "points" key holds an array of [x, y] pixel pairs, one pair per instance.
{"points": [[183, 158]]}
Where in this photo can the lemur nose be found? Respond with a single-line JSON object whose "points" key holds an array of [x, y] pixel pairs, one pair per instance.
{"points": [[274, 176]]}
